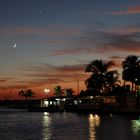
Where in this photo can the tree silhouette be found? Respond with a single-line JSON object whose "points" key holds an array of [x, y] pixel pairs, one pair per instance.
{"points": [[27, 93], [112, 78], [131, 69], [58, 91], [94, 83], [99, 79], [69, 92]]}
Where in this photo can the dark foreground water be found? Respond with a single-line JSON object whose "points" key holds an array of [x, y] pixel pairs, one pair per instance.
{"points": [[22, 125]]}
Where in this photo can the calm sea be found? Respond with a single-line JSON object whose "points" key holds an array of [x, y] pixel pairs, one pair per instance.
{"points": [[23, 125]]}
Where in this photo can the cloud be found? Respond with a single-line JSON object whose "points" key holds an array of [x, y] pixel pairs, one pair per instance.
{"points": [[116, 57], [48, 71], [46, 74], [110, 43], [89, 12], [76, 50], [3, 80], [104, 41], [65, 51], [125, 30], [53, 30], [117, 60], [46, 81], [72, 68], [123, 43], [51, 68], [13, 87], [127, 11], [88, 42]]}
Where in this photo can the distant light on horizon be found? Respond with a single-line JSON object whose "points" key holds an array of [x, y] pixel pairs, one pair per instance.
{"points": [[46, 90], [136, 126]]}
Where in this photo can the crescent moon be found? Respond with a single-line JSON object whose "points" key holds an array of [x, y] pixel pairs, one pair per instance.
{"points": [[15, 45]]}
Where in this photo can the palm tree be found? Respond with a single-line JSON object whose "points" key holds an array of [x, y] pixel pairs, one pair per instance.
{"points": [[112, 78], [94, 83], [131, 69], [69, 92], [27, 93], [98, 79], [58, 91], [99, 67]]}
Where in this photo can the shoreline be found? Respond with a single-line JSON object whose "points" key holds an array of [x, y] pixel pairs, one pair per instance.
{"points": [[75, 110], [87, 111]]}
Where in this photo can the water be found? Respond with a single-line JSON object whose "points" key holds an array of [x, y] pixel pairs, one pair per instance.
{"points": [[22, 125]]}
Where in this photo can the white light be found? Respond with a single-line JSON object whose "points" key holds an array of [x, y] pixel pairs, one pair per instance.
{"points": [[46, 90], [75, 102], [96, 116], [46, 113], [91, 97], [91, 116], [80, 101], [46, 103], [136, 126], [57, 99]]}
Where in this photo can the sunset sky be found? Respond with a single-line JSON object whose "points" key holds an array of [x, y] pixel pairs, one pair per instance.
{"points": [[56, 39]]}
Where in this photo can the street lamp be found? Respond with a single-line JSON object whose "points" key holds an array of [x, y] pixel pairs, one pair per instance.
{"points": [[136, 82], [46, 90], [46, 102]]}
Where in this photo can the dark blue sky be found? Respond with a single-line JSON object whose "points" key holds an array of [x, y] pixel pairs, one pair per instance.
{"points": [[56, 38]]}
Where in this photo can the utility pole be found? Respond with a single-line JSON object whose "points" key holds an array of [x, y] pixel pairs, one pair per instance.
{"points": [[78, 83]]}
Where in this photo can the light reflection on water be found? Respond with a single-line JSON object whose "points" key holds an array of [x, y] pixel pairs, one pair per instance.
{"points": [[20, 125], [136, 126], [94, 121], [46, 132]]}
